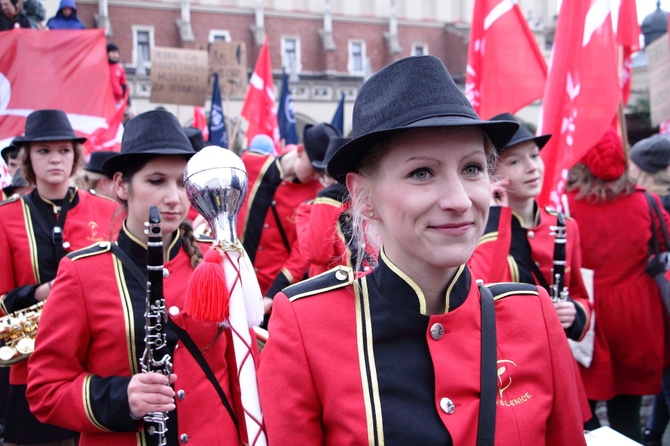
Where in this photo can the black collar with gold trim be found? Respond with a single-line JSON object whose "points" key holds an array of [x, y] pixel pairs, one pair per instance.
{"points": [[398, 288], [137, 250]]}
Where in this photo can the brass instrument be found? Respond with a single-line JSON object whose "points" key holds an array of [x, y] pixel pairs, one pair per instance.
{"points": [[18, 331]]}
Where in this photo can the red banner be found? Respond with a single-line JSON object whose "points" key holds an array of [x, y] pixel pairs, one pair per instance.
{"points": [[582, 92], [259, 104], [506, 70], [628, 38], [66, 70]]}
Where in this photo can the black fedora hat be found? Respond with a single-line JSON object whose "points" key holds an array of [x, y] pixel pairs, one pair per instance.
{"points": [[333, 146], [156, 132], [97, 159], [7, 150], [196, 137], [316, 139], [48, 125], [521, 135], [414, 92]]}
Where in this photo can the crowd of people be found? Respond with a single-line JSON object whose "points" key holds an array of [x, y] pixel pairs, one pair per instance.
{"points": [[415, 292]]}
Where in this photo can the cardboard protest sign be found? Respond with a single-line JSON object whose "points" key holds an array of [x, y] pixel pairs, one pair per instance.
{"points": [[179, 76]]}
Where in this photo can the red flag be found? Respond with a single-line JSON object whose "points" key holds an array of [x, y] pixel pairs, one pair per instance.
{"points": [[108, 137], [506, 70], [259, 104], [582, 92], [67, 70], [628, 38], [200, 121]]}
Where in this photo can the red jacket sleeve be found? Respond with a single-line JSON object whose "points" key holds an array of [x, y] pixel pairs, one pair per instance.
{"points": [[285, 383], [60, 391]]}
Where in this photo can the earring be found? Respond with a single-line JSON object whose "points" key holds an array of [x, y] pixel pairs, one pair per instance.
{"points": [[371, 214]]}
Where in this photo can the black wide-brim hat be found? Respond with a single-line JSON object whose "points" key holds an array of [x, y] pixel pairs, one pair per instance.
{"points": [[5, 152], [48, 125], [333, 146], [315, 138], [521, 135], [97, 159], [156, 132], [414, 92]]}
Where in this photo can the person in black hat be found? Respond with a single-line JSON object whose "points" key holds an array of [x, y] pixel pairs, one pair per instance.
{"points": [[36, 231], [94, 178], [266, 221], [425, 354], [10, 155], [86, 374], [518, 242]]}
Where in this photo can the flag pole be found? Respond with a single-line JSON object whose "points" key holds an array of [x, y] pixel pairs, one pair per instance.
{"points": [[231, 141], [624, 130]]}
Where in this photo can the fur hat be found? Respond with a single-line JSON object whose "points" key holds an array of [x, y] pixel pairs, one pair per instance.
{"points": [[156, 132], [652, 154], [414, 92], [606, 160]]}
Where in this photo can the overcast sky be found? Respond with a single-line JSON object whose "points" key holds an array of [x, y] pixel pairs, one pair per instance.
{"points": [[645, 7]]}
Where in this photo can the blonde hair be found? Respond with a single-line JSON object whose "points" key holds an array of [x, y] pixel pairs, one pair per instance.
{"points": [[656, 182], [595, 190]]}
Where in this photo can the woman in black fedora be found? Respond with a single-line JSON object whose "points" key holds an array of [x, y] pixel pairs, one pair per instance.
{"points": [[519, 241], [86, 375], [417, 351], [36, 231]]}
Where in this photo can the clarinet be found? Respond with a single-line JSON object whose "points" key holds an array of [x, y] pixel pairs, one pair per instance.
{"points": [[155, 358], [558, 290]]}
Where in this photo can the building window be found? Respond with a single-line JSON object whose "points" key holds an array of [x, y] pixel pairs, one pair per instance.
{"points": [[356, 64], [290, 54], [143, 41], [219, 35], [419, 49]]}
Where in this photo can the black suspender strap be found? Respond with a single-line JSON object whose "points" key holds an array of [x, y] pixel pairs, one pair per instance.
{"points": [[282, 233], [181, 334], [137, 273], [489, 378], [204, 365]]}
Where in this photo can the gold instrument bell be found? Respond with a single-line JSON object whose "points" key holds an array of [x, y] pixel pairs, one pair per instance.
{"points": [[18, 331]]}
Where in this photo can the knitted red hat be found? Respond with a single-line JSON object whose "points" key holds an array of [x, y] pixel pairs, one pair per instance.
{"points": [[605, 159]]}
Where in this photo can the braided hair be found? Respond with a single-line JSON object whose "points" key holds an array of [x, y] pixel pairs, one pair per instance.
{"points": [[189, 243]]}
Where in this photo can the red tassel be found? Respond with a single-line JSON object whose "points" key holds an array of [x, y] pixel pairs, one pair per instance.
{"points": [[208, 297]]}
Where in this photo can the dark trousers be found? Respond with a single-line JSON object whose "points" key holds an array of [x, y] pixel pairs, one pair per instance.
{"points": [[623, 412]]}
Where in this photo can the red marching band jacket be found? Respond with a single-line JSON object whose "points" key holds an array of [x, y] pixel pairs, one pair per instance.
{"points": [[357, 362], [27, 254], [506, 248], [80, 370], [266, 223]]}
